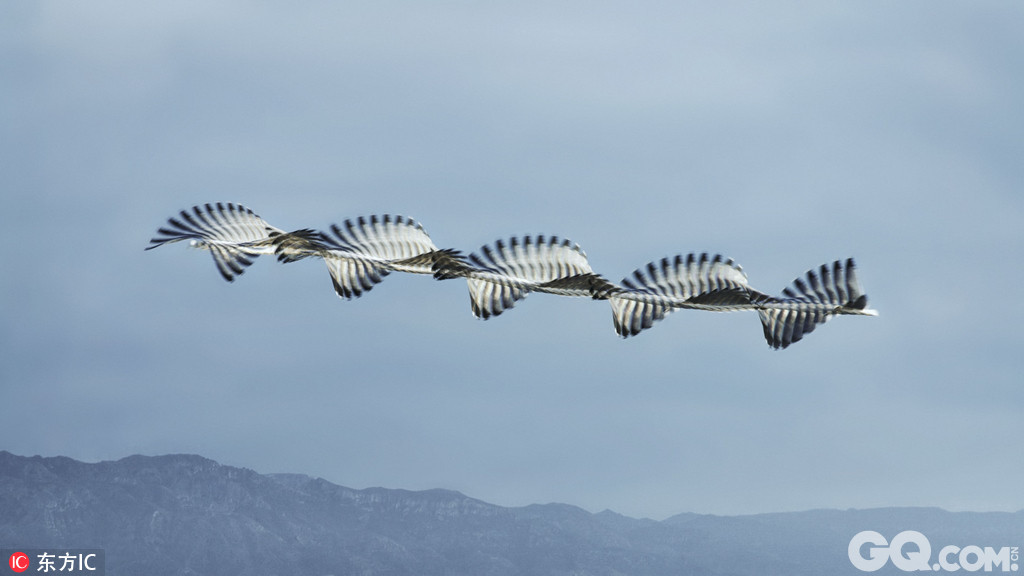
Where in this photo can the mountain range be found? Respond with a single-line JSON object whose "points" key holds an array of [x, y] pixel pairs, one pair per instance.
{"points": [[188, 515]]}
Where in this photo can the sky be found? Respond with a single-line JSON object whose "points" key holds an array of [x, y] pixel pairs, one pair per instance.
{"points": [[783, 135]]}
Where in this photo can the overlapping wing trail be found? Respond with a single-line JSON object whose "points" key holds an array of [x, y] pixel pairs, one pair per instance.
{"points": [[701, 282], [502, 273], [360, 253]]}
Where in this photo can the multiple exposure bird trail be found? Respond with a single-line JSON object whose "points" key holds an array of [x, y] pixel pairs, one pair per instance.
{"points": [[360, 253]]}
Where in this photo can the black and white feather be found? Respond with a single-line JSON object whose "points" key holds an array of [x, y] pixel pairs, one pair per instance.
{"points": [[360, 253], [701, 282], [233, 234], [811, 300], [502, 273]]}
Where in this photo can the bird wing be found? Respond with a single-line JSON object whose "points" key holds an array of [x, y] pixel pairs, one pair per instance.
{"points": [[811, 300], [705, 282], [502, 273], [232, 233]]}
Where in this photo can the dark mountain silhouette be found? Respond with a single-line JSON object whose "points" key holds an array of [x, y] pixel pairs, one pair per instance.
{"points": [[183, 514]]}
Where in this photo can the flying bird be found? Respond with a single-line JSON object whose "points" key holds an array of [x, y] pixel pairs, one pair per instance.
{"points": [[718, 284], [233, 234], [502, 273], [361, 252], [809, 301]]}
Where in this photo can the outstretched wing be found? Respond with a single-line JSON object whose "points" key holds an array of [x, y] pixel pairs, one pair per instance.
{"points": [[232, 233], [812, 300], [393, 239], [360, 253], [501, 274], [702, 282]]}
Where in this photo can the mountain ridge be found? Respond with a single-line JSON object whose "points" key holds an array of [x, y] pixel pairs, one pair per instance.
{"points": [[187, 514]]}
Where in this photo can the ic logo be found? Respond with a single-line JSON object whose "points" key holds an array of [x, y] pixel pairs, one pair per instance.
{"points": [[19, 561]]}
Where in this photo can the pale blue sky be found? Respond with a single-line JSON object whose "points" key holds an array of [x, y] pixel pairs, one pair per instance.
{"points": [[782, 135]]}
